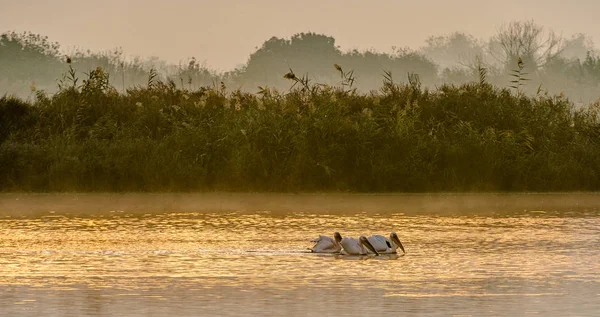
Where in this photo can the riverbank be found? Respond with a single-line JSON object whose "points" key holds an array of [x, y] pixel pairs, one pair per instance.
{"points": [[403, 138]]}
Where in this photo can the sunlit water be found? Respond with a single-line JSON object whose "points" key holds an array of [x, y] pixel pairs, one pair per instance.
{"points": [[487, 255]]}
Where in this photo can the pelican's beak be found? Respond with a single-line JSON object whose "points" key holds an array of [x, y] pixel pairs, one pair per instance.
{"points": [[368, 244], [398, 243]]}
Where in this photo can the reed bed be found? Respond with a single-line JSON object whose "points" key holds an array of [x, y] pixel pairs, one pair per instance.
{"points": [[90, 136]]}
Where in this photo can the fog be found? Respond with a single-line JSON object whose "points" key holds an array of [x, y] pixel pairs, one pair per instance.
{"points": [[223, 33], [18, 205], [250, 44]]}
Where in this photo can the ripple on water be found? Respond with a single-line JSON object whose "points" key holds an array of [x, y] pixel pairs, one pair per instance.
{"points": [[239, 263]]}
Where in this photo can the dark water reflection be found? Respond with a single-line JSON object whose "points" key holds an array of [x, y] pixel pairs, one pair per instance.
{"points": [[228, 255]]}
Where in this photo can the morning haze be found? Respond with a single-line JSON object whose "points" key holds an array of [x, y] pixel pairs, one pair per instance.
{"points": [[313, 166], [224, 33]]}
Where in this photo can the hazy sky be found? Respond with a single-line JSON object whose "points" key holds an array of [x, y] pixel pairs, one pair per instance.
{"points": [[224, 32]]}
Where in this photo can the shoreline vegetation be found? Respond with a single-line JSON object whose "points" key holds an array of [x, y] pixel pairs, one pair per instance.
{"points": [[494, 130], [402, 138]]}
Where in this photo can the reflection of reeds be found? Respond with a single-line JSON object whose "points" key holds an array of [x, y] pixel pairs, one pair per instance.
{"points": [[312, 137]]}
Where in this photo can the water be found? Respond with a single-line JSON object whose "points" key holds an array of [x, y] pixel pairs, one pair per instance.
{"points": [[245, 255]]}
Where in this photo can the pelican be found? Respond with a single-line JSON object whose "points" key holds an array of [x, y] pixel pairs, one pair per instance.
{"points": [[383, 245], [326, 244], [358, 246]]}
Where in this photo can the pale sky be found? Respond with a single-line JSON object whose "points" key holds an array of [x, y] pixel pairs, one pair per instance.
{"points": [[224, 32]]}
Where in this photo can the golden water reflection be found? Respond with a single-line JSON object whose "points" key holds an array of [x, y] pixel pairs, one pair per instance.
{"points": [[244, 263]]}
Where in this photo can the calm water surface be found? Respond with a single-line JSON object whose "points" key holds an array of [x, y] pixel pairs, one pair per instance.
{"points": [[245, 255]]}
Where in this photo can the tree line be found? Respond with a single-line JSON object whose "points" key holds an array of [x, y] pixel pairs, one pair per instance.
{"points": [[549, 62]]}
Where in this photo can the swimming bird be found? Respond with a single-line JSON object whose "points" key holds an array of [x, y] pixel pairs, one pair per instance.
{"points": [[358, 246], [384, 245], [326, 244]]}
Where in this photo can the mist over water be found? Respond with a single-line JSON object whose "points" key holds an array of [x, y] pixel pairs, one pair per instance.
{"points": [[34, 205], [240, 255]]}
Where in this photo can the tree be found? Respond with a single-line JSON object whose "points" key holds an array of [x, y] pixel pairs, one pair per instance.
{"points": [[454, 50], [578, 47], [305, 53], [25, 56], [28, 62], [528, 41], [591, 66]]}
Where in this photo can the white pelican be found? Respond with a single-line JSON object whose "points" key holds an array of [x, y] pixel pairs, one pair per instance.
{"points": [[327, 245], [358, 246], [383, 245]]}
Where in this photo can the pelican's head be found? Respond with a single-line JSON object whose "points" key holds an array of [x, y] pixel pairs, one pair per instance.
{"points": [[367, 244], [396, 240], [337, 236]]}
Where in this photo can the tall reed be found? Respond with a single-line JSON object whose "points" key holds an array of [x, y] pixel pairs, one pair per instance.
{"points": [[89, 136]]}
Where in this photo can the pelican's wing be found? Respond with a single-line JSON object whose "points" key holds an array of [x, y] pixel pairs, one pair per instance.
{"points": [[351, 246], [384, 241], [381, 238], [323, 238], [325, 246], [379, 242]]}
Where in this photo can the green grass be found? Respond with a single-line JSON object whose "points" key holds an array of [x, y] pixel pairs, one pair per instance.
{"points": [[472, 137]]}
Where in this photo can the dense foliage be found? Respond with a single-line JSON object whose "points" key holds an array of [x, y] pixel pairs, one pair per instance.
{"points": [[160, 137]]}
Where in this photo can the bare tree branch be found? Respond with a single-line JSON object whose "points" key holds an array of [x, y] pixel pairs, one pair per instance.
{"points": [[527, 40]]}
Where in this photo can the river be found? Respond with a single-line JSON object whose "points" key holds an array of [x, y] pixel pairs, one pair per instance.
{"points": [[246, 255]]}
